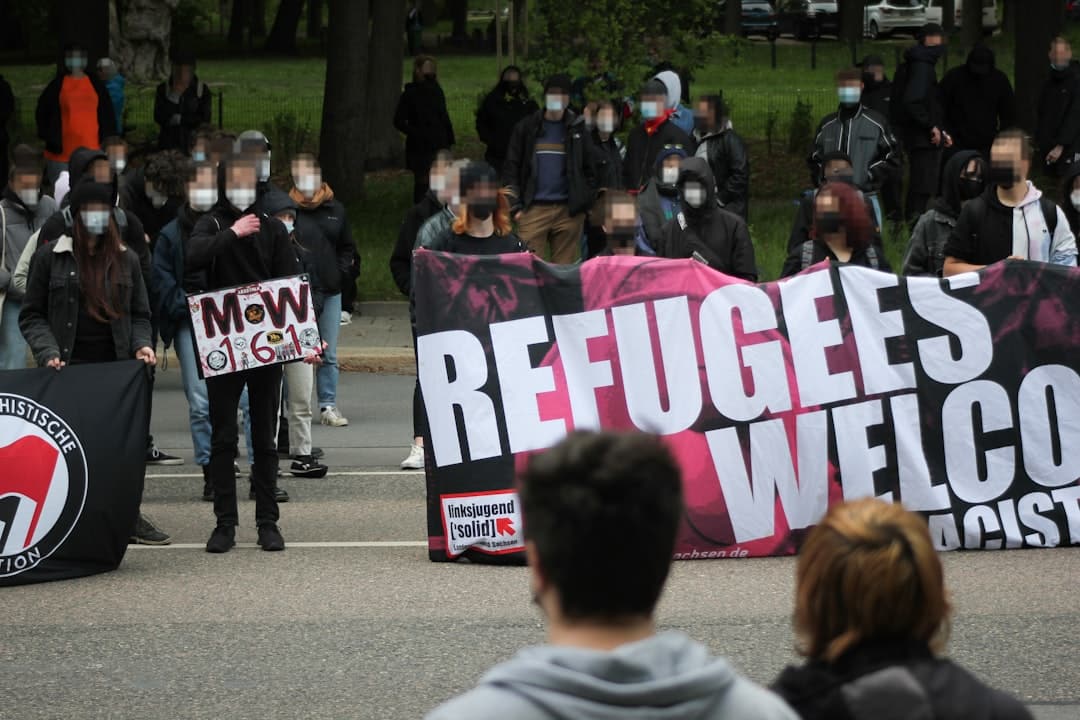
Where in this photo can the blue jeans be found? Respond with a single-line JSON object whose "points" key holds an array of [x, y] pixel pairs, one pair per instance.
{"points": [[12, 343], [329, 328], [198, 402]]}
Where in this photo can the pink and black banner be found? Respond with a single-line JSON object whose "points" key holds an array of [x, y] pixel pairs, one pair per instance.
{"points": [[958, 398]]}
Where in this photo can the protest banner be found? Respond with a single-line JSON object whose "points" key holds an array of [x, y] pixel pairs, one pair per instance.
{"points": [[72, 461], [959, 398], [250, 326]]}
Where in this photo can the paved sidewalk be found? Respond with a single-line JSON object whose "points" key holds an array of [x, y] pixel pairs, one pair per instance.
{"points": [[379, 340]]}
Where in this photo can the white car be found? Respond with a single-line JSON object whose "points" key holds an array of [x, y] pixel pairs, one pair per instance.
{"points": [[989, 19], [884, 17]]}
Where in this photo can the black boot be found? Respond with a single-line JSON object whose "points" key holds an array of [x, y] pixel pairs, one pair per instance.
{"points": [[208, 486]]}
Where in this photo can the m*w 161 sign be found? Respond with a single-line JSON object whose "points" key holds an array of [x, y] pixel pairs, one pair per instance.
{"points": [[251, 326]]}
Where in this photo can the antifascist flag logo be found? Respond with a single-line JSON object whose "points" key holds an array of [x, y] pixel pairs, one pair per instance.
{"points": [[43, 482]]}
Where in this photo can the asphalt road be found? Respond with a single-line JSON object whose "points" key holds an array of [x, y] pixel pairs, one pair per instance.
{"points": [[352, 621]]}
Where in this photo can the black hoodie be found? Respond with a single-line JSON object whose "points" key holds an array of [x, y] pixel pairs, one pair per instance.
{"points": [[1066, 201], [978, 101], [1059, 111], [918, 108], [718, 236]]}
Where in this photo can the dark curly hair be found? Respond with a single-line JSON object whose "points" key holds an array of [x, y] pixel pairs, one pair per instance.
{"points": [[169, 171]]}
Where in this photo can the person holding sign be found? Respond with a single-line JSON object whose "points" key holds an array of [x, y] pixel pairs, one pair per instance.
{"points": [[86, 301], [236, 246]]}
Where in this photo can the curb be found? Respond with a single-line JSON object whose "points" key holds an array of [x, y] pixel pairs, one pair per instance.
{"points": [[383, 361]]}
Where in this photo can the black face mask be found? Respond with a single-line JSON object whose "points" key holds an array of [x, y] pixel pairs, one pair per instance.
{"points": [[622, 236], [829, 223], [701, 124], [430, 77], [971, 188], [1003, 176], [482, 208]]}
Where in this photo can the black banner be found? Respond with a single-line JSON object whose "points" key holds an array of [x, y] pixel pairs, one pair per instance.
{"points": [[72, 463]]}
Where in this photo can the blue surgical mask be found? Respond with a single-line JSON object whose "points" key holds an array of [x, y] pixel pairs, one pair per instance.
{"points": [[95, 221], [650, 110], [75, 62], [289, 225], [198, 156], [848, 94], [554, 103]]}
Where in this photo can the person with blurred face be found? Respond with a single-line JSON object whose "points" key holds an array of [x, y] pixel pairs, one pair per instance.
{"points": [[182, 103], [254, 148], [963, 179], [552, 173], [73, 111], [155, 192], [655, 132], [842, 232], [1012, 219], [114, 82], [450, 197], [483, 225], [872, 616], [23, 210], [1057, 131], [422, 117], [658, 203], [235, 245], [501, 109], [725, 152], [620, 223]]}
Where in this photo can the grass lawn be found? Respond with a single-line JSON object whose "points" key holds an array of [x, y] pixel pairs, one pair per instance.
{"points": [[258, 91]]}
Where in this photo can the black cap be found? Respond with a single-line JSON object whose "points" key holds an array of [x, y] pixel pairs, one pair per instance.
{"points": [[560, 82], [930, 29], [87, 192], [476, 173], [183, 57], [871, 60]]}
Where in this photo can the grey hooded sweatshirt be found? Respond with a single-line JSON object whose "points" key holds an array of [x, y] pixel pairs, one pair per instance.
{"points": [[665, 677]]}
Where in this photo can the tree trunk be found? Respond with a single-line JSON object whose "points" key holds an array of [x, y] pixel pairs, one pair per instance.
{"points": [[238, 23], [1035, 26], [1008, 17], [86, 23], [282, 37], [258, 18], [971, 27], [733, 18], [459, 13], [384, 83], [851, 20], [948, 14], [342, 142], [314, 19], [140, 33]]}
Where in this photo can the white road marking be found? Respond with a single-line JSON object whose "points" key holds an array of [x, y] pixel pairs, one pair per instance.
{"points": [[342, 544], [343, 473]]}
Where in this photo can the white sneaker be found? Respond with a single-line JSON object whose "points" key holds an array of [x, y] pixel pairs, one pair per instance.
{"points": [[415, 461], [346, 317], [330, 416]]}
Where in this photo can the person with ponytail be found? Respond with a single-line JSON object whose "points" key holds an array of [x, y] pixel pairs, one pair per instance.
{"points": [[102, 313], [483, 225]]}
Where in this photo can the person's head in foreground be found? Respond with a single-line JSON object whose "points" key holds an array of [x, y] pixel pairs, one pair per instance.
{"points": [[871, 614], [601, 512]]}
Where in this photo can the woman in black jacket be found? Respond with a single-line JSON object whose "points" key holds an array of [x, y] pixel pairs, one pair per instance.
{"points": [[500, 111], [871, 615], [422, 117]]}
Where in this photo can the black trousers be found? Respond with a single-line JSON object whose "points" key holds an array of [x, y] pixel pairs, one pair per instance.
{"points": [[925, 164], [419, 412], [264, 394]]}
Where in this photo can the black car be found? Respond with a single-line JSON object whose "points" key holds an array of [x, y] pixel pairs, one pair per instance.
{"points": [[806, 19], [758, 18]]}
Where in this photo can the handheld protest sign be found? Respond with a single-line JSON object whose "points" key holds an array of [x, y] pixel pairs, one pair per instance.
{"points": [[252, 326]]}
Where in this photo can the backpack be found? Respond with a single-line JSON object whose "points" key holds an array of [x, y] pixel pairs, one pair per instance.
{"points": [[808, 256], [1049, 210]]}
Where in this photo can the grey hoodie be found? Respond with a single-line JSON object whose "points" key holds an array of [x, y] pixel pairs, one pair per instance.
{"points": [[665, 677]]}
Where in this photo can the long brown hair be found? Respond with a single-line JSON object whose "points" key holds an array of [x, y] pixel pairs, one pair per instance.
{"points": [[869, 572], [100, 270], [501, 217]]}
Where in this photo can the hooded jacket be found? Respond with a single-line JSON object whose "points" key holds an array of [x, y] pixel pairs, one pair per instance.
{"points": [[1071, 213], [179, 117], [50, 120], [657, 206], [134, 200], [317, 261], [726, 154], [1059, 111], [918, 110], [892, 682], [718, 236], [665, 677], [684, 116], [324, 230], [502, 109], [988, 231], [18, 224], [926, 251], [978, 101], [584, 163], [877, 94], [642, 149], [866, 138]]}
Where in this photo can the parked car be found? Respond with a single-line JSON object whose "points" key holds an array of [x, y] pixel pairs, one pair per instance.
{"points": [[758, 18], [884, 17], [989, 15], [805, 19]]}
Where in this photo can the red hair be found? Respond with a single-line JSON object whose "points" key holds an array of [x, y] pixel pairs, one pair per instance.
{"points": [[501, 218], [854, 214]]}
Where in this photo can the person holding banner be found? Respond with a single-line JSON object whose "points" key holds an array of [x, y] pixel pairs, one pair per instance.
{"points": [[484, 226], [237, 246], [842, 232], [86, 301], [871, 615]]}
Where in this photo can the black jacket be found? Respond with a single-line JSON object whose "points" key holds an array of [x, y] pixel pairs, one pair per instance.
{"points": [[1059, 111], [916, 106], [719, 236], [804, 221], [133, 199], [320, 266], [180, 118], [49, 317], [500, 110], [422, 117], [977, 105], [1071, 212], [50, 122], [7, 109], [231, 261], [812, 252], [325, 231], [611, 153], [926, 251], [172, 279], [867, 139], [910, 677], [726, 154], [401, 259], [877, 95], [584, 164], [642, 149]]}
